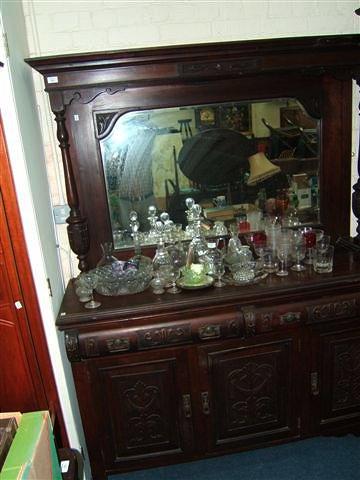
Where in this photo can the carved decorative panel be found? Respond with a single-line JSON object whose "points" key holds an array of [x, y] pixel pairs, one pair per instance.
{"points": [[337, 393], [239, 67], [346, 375], [142, 402], [72, 346], [248, 391], [146, 425], [251, 394], [91, 347], [154, 337], [331, 310]]}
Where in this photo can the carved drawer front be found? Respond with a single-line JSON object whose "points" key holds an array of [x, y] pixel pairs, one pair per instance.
{"points": [[189, 330], [95, 344], [266, 319], [333, 309]]}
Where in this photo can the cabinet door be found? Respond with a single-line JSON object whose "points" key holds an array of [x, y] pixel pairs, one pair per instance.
{"points": [[248, 392], [143, 408], [334, 379]]}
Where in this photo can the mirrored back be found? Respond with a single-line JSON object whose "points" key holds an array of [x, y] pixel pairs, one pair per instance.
{"points": [[253, 158]]}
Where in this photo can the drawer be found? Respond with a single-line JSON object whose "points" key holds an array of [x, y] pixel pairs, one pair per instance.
{"points": [[262, 319], [203, 327], [329, 308]]}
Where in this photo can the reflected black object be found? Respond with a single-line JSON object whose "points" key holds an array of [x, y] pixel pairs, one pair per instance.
{"points": [[214, 157]]}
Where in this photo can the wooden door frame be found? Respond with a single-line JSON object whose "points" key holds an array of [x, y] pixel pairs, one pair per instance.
{"points": [[23, 290]]}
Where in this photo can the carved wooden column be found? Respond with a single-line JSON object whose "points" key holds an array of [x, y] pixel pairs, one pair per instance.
{"points": [[77, 224], [356, 188]]}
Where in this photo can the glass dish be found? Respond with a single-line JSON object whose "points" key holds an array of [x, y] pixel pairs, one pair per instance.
{"points": [[230, 280], [127, 282]]}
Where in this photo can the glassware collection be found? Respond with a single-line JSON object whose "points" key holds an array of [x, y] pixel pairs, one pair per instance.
{"points": [[189, 259]]}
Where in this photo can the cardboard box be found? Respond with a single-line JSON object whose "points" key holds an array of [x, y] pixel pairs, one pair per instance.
{"points": [[8, 427], [32, 455]]}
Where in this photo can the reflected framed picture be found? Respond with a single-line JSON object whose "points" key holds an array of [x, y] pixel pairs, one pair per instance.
{"points": [[206, 117], [236, 117]]}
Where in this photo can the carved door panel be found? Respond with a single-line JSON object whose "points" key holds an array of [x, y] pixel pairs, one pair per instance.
{"points": [[248, 392], [146, 407], [334, 381]]}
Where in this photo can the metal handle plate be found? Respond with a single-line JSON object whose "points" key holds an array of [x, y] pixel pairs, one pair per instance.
{"points": [[314, 381], [205, 403], [186, 401]]}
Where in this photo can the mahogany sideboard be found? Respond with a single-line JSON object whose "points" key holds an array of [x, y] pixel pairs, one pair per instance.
{"points": [[163, 379], [171, 378]]}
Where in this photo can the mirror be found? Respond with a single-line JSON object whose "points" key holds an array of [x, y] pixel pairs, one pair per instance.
{"points": [[232, 158]]}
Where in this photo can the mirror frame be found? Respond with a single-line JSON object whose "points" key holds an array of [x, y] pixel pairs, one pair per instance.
{"points": [[318, 71]]}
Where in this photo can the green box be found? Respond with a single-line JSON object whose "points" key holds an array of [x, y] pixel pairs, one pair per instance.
{"points": [[32, 455]]}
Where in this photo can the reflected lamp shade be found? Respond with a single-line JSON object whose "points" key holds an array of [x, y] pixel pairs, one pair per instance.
{"points": [[260, 168]]}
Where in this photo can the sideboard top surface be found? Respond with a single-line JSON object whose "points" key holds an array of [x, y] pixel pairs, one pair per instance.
{"points": [[295, 287]]}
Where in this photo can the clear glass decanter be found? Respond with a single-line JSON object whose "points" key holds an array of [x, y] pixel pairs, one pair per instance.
{"points": [[162, 261], [198, 244], [234, 245], [141, 261]]}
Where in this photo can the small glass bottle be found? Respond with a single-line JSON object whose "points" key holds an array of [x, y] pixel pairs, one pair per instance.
{"points": [[140, 261], [161, 262]]}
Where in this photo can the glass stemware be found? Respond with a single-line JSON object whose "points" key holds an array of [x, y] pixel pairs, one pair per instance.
{"points": [[174, 274], [82, 289], [91, 281], [219, 271], [311, 236], [283, 251], [260, 249], [298, 252]]}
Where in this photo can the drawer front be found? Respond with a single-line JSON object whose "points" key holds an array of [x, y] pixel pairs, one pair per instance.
{"points": [[330, 308], [203, 328], [264, 319]]}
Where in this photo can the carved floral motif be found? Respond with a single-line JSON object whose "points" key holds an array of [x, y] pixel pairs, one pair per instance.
{"points": [[145, 425], [164, 336], [331, 310], [347, 376], [251, 395], [72, 346]]}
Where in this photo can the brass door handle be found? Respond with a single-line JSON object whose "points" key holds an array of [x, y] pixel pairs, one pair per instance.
{"points": [[205, 403], [186, 401], [314, 382]]}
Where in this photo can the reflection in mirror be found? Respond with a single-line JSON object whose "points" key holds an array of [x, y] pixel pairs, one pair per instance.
{"points": [[244, 159]]}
